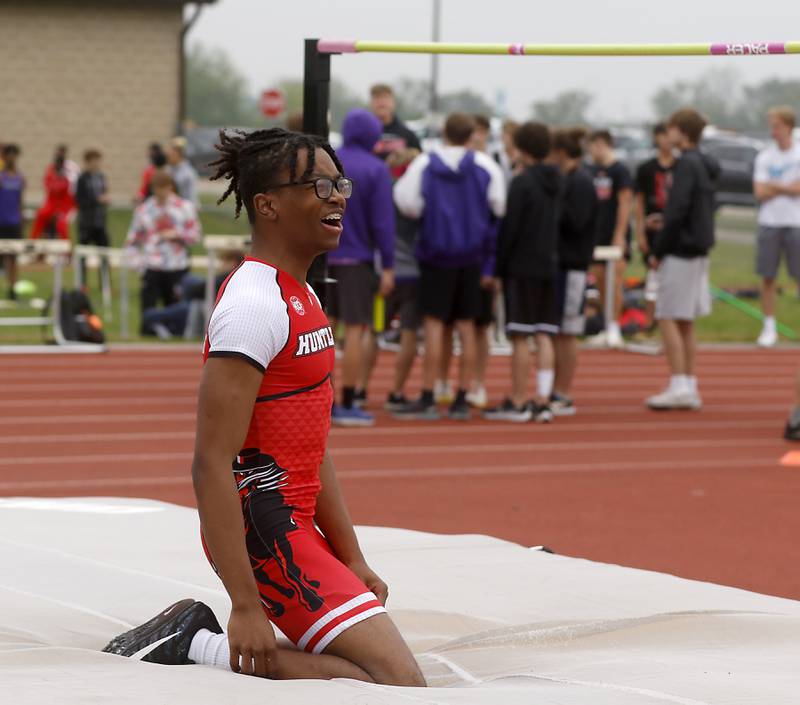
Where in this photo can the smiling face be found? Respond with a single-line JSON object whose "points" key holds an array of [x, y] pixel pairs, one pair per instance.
{"points": [[310, 224]]}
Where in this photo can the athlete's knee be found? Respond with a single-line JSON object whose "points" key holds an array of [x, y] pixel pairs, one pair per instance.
{"points": [[402, 672]]}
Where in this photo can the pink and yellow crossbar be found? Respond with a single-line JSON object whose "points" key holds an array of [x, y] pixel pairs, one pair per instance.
{"points": [[332, 46]]}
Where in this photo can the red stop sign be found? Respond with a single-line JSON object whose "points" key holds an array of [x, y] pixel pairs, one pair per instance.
{"points": [[273, 103]]}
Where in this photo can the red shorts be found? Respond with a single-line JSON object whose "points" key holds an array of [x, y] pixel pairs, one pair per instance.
{"points": [[307, 592]]}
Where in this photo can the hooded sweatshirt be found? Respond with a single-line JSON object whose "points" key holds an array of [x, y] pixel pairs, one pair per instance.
{"points": [[368, 223], [528, 242], [689, 214], [458, 194]]}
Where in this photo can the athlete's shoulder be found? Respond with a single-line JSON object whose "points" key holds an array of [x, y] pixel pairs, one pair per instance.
{"points": [[251, 316]]}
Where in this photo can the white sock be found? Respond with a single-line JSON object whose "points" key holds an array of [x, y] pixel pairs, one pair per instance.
{"points": [[679, 384], [209, 649], [544, 383], [769, 322], [613, 328], [692, 382]]}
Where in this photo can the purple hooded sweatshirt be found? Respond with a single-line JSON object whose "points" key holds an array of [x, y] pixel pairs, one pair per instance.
{"points": [[369, 222]]}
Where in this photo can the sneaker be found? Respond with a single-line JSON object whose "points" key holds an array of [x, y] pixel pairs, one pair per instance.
{"points": [[562, 405], [459, 410], [792, 432], [166, 637], [508, 412], [695, 402], [541, 413], [351, 417], [395, 402], [614, 338], [671, 399], [599, 340], [360, 398], [478, 398], [443, 392], [768, 338], [417, 411]]}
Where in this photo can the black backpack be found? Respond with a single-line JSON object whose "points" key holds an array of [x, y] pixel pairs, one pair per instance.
{"points": [[78, 321]]}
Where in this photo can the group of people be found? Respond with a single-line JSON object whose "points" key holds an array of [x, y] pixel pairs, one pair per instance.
{"points": [[439, 234], [164, 226]]}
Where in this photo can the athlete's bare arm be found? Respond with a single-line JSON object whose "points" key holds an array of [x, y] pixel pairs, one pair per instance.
{"points": [[228, 391], [334, 520]]}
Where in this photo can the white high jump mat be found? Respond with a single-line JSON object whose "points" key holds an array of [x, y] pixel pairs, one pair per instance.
{"points": [[489, 621]]}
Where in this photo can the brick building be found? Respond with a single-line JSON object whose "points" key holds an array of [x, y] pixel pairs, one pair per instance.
{"points": [[103, 73]]}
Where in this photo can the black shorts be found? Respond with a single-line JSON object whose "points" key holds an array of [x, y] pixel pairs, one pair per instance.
{"points": [[93, 235], [450, 294], [485, 316], [351, 299], [403, 303], [531, 305], [11, 232]]}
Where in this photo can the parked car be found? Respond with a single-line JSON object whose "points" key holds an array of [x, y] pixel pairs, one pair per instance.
{"points": [[736, 157]]}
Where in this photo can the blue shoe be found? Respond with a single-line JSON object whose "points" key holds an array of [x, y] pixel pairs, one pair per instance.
{"points": [[351, 417]]}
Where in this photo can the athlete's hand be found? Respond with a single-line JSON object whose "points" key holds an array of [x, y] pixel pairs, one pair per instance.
{"points": [[252, 642], [387, 282], [371, 580]]}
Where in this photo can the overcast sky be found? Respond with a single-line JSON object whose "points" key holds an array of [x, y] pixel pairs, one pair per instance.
{"points": [[264, 39]]}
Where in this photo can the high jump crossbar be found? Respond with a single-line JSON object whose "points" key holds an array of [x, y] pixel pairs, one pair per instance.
{"points": [[361, 46]]}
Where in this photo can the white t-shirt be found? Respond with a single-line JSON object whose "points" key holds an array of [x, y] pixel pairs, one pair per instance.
{"points": [[774, 164]]}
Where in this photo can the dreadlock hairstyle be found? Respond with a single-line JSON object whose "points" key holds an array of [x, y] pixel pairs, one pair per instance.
{"points": [[253, 161]]}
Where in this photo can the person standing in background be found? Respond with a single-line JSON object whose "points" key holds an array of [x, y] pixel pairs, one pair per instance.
{"points": [[12, 192], [456, 192], [161, 232], [55, 214], [156, 159], [776, 182], [527, 265], [614, 189], [93, 199], [443, 390], [653, 181], [575, 246], [680, 253], [183, 173], [368, 227], [398, 144], [508, 156]]}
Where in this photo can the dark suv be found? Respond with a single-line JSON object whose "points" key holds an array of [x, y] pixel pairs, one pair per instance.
{"points": [[736, 157]]}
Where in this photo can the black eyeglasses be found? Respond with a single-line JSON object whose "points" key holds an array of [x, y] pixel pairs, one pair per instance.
{"points": [[323, 186]]}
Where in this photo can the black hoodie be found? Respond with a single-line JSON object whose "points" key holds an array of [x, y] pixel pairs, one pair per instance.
{"points": [[527, 245], [576, 237], [689, 214]]}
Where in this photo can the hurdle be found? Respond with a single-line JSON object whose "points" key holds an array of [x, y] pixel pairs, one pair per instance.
{"points": [[114, 257], [59, 251]]}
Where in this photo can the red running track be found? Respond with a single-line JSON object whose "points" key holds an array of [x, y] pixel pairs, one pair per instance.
{"points": [[698, 494]]}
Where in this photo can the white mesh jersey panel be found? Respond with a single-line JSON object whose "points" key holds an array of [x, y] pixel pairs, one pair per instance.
{"points": [[251, 318]]}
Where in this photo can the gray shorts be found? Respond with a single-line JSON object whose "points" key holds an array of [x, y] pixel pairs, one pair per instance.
{"points": [[571, 294], [769, 245], [683, 289]]}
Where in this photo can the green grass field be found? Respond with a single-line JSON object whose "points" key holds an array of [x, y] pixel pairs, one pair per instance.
{"points": [[731, 267]]}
